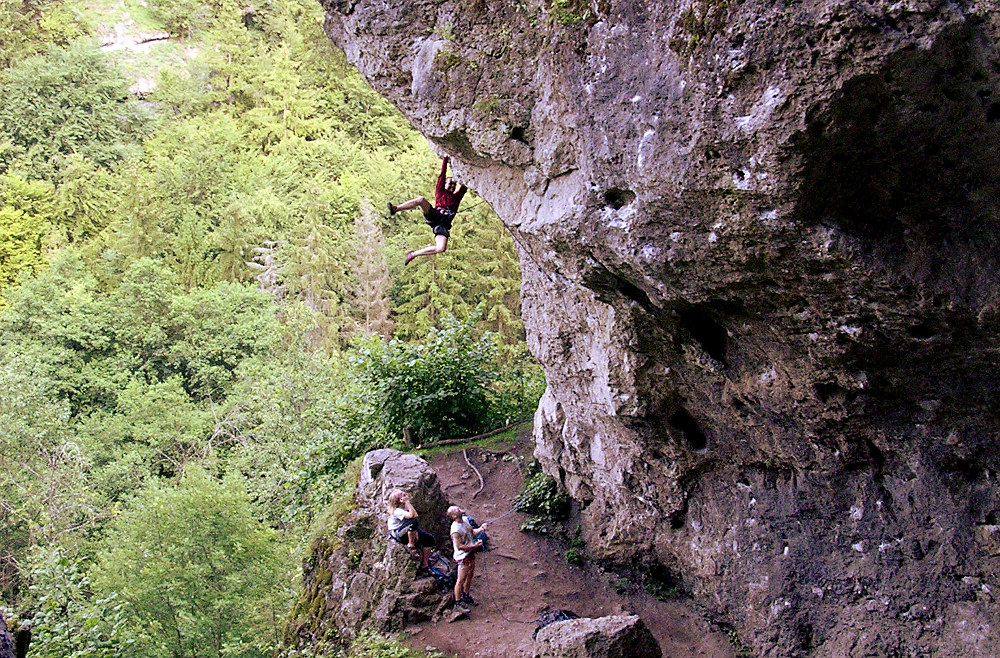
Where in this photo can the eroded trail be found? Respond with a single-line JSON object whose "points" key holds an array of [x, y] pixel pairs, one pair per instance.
{"points": [[528, 574]]}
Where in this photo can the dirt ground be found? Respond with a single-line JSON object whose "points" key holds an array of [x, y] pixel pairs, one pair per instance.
{"points": [[528, 574]]}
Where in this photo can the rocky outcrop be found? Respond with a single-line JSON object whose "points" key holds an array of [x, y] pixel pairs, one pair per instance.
{"points": [[6, 640], [759, 247], [619, 636], [355, 579]]}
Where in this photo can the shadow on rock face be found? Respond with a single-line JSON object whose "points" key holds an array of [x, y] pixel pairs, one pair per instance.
{"points": [[906, 163]]}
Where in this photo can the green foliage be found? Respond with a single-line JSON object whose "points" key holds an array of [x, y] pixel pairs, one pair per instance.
{"points": [[77, 102], [742, 650], [622, 586], [546, 505], [372, 645], [576, 557], [570, 12], [69, 621], [41, 467], [199, 573], [27, 214], [660, 590], [541, 496], [577, 552], [28, 26], [439, 388]]}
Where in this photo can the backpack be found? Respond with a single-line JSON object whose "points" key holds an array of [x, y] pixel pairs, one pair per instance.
{"points": [[443, 571], [551, 617]]}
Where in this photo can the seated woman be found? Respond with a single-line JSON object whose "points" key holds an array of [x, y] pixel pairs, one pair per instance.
{"points": [[404, 527]]}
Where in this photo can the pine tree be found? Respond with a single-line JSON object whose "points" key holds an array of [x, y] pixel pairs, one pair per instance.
{"points": [[371, 294]]}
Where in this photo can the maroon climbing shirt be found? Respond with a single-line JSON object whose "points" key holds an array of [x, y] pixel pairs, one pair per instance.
{"points": [[442, 197]]}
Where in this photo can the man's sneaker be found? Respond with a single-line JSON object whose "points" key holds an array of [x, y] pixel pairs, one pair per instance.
{"points": [[392, 208], [468, 600], [462, 606]]}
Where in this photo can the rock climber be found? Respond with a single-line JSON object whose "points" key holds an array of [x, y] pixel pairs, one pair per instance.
{"points": [[466, 546], [447, 195], [404, 527]]}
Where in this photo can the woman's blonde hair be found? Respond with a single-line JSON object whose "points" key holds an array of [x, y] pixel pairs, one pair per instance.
{"points": [[394, 497]]}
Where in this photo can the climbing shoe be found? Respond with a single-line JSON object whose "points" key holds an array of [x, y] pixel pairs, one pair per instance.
{"points": [[392, 208], [468, 600]]}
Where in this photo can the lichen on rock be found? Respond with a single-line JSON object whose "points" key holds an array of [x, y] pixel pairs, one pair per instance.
{"points": [[760, 273]]}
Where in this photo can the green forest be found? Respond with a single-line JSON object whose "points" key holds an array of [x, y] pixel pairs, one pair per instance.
{"points": [[205, 318]]}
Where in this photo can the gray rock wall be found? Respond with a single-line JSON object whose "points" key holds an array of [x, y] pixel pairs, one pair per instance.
{"points": [[759, 245]]}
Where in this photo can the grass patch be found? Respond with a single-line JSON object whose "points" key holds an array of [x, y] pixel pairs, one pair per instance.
{"points": [[373, 645]]}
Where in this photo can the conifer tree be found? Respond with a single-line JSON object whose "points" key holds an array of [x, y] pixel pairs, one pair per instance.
{"points": [[371, 294]]}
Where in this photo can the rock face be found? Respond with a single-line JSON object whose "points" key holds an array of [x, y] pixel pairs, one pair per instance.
{"points": [[620, 636], [6, 640], [759, 243], [355, 579]]}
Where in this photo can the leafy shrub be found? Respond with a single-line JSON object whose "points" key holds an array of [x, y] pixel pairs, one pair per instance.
{"points": [[541, 496], [69, 621], [576, 557], [438, 388], [542, 499], [661, 591]]}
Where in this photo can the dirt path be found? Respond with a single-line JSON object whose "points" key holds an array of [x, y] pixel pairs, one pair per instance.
{"points": [[527, 575]]}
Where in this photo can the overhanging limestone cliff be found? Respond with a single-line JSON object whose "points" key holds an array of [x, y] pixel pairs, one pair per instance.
{"points": [[760, 251]]}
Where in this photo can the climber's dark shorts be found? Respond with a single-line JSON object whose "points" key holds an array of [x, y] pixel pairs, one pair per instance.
{"points": [[424, 538], [439, 219]]}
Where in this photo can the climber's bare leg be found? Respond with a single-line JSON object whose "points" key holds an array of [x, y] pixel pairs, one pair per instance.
{"points": [[418, 202], [439, 246]]}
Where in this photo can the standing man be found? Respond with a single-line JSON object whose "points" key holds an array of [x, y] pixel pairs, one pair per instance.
{"points": [[439, 217], [465, 555]]}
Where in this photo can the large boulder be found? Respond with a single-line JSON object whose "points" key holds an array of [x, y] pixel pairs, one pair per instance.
{"points": [[355, 577], [617, 636], [760, 243], [385, 470]]}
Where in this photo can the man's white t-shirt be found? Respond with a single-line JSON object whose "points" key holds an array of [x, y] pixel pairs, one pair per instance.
{"points": [[464, 532]]}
